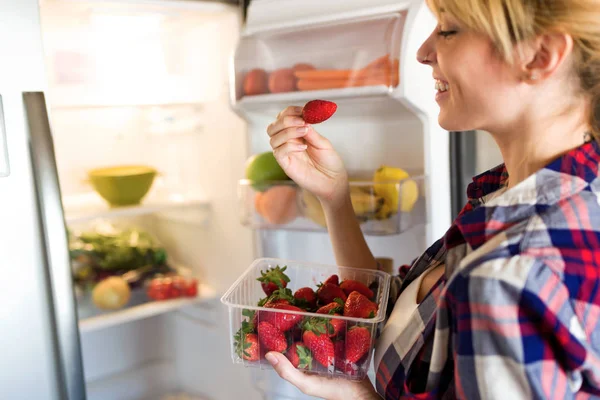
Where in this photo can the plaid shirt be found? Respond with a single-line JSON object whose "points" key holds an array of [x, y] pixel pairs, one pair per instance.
{"points": [[517, 313]]}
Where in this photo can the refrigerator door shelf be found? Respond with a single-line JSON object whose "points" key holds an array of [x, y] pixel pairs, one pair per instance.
{"points": [[318, 59], [382, 208]]}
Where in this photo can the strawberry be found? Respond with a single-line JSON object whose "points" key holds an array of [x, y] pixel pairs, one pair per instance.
{"points": [[334, 307], [279, 296], [340, 353], [341, 364], [316, 338], [359, 306], [282, 321], [338, 325], [328, 292], [317, 111], [246, 343], [272, 338], [299, 356], [358, 343], [349, 286], [333, 279], [273, 279], [306, 298]]}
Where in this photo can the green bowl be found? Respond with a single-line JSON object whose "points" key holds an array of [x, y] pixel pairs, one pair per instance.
{"points": [[122, 185]]}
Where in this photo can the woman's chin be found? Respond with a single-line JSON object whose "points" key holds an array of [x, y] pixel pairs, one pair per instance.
{"points": [[453, 124]]}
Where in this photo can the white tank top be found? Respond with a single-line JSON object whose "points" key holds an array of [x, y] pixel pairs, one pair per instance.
{"points": [[405, 307]]}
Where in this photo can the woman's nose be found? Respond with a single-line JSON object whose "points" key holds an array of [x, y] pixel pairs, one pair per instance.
{"points": [[426, 53]]}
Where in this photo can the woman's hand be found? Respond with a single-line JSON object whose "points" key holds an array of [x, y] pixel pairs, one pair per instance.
{"points": [[322, 387], [307, 157]]}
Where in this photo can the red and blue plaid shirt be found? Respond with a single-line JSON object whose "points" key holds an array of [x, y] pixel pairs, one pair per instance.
{"points": [[517, 314]]}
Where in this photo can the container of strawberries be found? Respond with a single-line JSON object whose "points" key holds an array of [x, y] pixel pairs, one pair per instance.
{"points": [[324, 318]]}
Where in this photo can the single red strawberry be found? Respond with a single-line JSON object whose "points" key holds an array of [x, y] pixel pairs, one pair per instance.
{"points": [[358, 343], [273, 279], [339, 327], [315, 336], [333, 279], [282, 321], [332, 308], [340, 354], [306, 298], [246, 343], [349, 286], [317, 111], [279, 296], [359, 306], [271, 338], [329, 292], [300, 356]]}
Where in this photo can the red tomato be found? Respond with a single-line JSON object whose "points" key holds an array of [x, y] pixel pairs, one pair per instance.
{"points": [[157, 290], [192, 288]]}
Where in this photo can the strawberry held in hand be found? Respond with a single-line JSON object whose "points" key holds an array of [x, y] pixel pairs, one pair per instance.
{"points": [[317, 111], [273, 279]]}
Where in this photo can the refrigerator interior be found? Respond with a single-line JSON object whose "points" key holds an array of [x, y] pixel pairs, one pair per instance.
{"points": [[146, 83]]}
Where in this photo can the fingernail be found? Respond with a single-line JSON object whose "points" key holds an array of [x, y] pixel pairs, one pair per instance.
{"points": [[302, 129], [271, 359], [298, 110]]}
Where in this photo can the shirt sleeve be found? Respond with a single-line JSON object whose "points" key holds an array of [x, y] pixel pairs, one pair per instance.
{"points": [[516, 333]]}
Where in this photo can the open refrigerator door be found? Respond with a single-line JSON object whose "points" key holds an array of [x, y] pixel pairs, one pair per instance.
{"points": [[362, 56]]}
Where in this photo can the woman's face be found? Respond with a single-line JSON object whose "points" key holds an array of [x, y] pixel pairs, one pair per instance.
{"points": [[475, 87]]}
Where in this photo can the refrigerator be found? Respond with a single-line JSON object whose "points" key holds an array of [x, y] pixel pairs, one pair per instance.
{"points": [[97, 83]]}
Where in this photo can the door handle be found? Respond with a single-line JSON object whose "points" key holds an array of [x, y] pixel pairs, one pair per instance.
{"points": [[4, 164]]}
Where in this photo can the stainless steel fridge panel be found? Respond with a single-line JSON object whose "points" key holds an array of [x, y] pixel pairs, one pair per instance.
{"points": [[54, 238]]}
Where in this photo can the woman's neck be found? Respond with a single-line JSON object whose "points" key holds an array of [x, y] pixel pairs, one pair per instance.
{"points": [[538, 141]]}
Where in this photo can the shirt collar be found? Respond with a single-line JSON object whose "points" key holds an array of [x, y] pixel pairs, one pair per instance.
{"points": [[564, 177]]}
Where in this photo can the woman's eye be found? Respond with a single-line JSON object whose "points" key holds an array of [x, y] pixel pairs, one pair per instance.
{"points": [[446, 33]]}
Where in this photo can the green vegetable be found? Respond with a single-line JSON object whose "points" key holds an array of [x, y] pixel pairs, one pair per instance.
{"points": [[116, 250]]}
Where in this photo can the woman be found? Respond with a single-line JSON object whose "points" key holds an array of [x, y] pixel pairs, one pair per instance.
{"points": [[509, 300]]}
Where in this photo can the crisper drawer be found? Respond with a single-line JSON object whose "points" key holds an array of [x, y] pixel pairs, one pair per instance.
{"points": [[349, 54]]}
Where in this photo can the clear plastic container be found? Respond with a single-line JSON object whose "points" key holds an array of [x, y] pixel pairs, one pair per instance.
{"points": [[348, 54], [382, 207], [344, 332]]}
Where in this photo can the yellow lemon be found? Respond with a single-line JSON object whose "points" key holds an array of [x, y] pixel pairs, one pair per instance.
{"points": [[395, 186]]}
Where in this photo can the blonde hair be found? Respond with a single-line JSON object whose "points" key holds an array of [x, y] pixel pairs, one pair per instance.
{"points": [[507, 22]]}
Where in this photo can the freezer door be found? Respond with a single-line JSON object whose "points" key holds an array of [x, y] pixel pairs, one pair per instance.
{"points": [[39, 339]]}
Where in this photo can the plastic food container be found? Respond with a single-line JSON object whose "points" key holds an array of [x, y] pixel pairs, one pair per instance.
{"points": [[254, 330]]}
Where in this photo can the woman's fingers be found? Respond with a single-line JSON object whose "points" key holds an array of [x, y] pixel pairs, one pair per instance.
{"points": [[283, 152], [283, 122], [308, 384], [288, 135]]}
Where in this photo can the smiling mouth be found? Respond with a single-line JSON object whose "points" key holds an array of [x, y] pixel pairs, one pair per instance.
{"points": [[441, 86]]}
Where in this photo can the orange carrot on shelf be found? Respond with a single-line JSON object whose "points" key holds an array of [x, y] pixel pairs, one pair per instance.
{"points": [[323, 84]]}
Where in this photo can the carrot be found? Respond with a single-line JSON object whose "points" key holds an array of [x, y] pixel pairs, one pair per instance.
{"points": [[321, 84]]}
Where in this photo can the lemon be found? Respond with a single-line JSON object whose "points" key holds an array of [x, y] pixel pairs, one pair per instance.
{"points": [[394, 191]]}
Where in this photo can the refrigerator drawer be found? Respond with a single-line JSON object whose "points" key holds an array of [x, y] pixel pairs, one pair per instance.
{"points": [[347, 54]]}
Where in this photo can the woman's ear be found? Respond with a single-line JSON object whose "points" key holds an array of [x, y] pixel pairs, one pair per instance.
{"points": [[543, 56]]}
